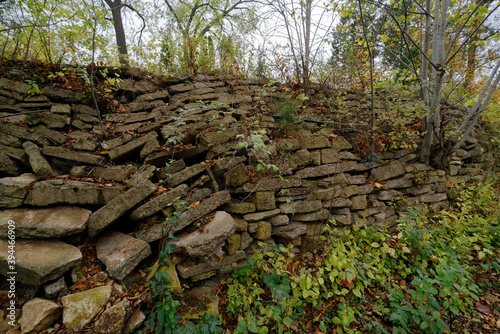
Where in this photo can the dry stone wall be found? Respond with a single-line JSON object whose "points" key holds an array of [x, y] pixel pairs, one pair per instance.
{"points": [[193, 159]]}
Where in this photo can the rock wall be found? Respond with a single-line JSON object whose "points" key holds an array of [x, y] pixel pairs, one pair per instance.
{"points": [[195, 157]]}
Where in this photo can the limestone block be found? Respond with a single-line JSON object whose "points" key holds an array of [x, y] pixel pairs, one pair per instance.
{"points": [[80, 308], [53, 222], [263, 200], [121, 253], [38, 315]]}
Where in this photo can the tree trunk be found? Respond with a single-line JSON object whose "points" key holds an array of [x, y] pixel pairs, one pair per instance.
{"points": [[121, 42]]}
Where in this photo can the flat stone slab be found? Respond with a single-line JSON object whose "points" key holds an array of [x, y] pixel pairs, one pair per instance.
{"points": [[64, 153], [114, 173], [156, 204], [300, 206], [185, 174], [13, 190], [121, 253], [313, 216], [39, 261], [291, 231], [54, 222], [158, 231], [70, 192], [258, 216], [129, 149], [80, 308], [118, 206], [204, 242]]}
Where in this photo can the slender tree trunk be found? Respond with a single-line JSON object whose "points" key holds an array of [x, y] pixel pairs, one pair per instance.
{"points": [[307, 46], [433, 118], [424, 64]]}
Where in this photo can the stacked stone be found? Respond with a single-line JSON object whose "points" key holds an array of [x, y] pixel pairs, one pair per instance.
{"points": [[176, 165]]}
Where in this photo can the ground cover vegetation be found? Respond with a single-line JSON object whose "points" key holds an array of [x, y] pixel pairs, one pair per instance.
{"points": [[438, 274]]}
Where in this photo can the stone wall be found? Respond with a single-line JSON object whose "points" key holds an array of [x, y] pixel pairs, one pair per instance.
{"points": [[184, 158]]}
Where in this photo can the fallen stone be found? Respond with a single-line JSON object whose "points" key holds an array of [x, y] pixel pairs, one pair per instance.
{"points": [[300, 207], [130, 149], [115, 142], [56, 289], [8, 165], [158, 231], [70, 192], [389, 171], [121, 253], [39, 261], [170, 169], [204, 242], [84, 145], [185, 174], [8, 140], [135, 321], [151, 146], [80, 308], [38, 163], [291, 231], [38, 315], [54, 222], [113, 320], [16, 153], [258, 216], [115, 173], [22, 133], [118, 206], [324, 170], [13, 190], [197, 196], [51, 135], [340, 143], [63, 153], [145, 172], [159, 202]]}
